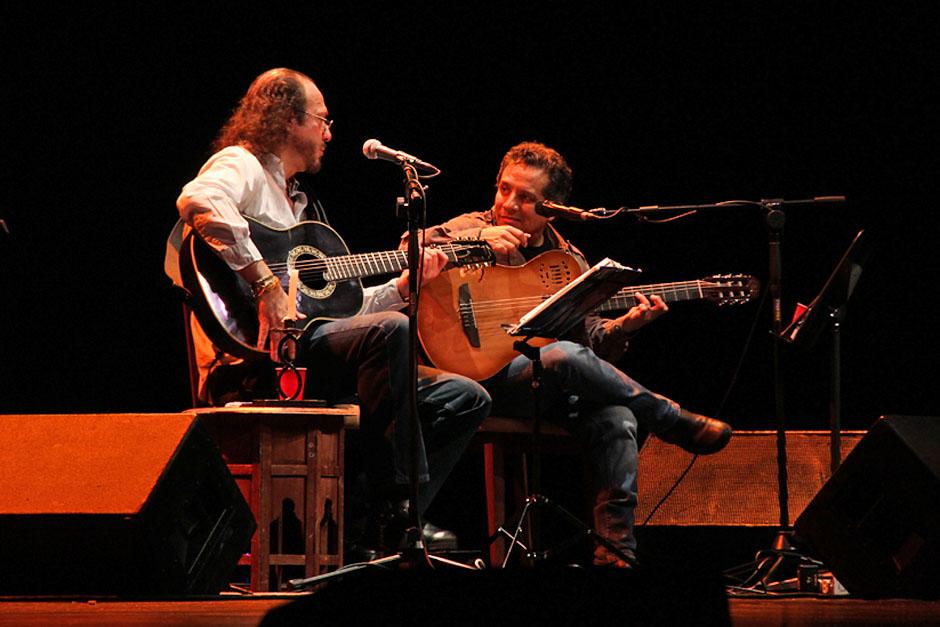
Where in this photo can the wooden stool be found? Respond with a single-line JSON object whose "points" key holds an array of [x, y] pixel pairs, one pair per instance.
{"points": [[287, 460], [506, 443]]}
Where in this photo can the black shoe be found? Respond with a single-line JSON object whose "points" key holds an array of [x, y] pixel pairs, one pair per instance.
{"points": [[437, 539], [697, 434], [396, 522], [356, 553]]}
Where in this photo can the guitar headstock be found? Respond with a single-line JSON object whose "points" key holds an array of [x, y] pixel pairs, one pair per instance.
{"points": [[730, 289], [474, 253]]}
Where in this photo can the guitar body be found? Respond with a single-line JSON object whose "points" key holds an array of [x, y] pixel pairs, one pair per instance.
{"points": [[222, 300], [462, 314], [328, 288]]}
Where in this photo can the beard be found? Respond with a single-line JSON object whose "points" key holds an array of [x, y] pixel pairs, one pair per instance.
{"points": [[311, 154]]}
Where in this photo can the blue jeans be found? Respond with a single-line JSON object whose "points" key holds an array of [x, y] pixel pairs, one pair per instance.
{"points": [[368, 355], [601, 405]]}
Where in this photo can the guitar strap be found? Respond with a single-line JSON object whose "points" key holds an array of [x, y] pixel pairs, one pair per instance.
{"points": [[315, 210]]}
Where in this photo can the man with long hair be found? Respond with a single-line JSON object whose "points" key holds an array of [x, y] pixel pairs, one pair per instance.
{"points": [[280, 128]]}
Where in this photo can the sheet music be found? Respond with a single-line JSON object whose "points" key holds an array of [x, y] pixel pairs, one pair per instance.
{"points": [[571, 303]]}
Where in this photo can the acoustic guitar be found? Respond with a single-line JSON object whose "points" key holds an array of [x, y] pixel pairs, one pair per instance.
{"points": [[463, 315], [329, 285]]}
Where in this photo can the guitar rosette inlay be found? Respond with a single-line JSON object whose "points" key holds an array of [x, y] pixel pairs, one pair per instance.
{"points": [[301, 258]]}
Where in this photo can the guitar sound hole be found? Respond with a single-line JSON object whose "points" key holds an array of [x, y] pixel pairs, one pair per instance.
{"points": [[312, 269]]}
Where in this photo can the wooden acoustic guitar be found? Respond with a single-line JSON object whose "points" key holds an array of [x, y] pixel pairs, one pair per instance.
{"points": [[463, 314]]}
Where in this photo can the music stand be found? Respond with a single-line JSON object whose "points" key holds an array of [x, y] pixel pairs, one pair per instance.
{"points": [[551, 319], [803, 331], [829, 306]]}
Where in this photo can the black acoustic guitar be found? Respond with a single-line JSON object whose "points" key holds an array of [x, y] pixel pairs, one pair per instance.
{"points": [[329, 285]]}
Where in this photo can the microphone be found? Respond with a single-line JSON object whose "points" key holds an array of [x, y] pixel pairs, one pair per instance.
{"points": [[551, 209], [374, 149]]}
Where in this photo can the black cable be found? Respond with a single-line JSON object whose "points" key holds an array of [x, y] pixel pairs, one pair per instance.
{"points": [[721, 406], [744, 350]]}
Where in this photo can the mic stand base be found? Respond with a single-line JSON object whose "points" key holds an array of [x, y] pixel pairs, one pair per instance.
{"points": [[412, 558]]}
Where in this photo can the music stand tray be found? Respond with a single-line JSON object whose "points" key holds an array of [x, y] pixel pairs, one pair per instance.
{"points": [[805, 328], [569, 305]]}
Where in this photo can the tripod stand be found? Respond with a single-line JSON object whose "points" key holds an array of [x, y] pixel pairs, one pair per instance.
{"points": [[552, 319], [535, 501]]}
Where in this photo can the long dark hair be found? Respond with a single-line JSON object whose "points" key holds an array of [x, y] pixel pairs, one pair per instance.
{"points": [[260, 121]]}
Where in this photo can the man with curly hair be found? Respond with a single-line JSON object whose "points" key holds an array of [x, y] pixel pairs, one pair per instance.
{"points": [[280, 128], [580, 386]]}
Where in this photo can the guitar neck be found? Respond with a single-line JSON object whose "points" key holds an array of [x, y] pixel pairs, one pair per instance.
{"points": [[373, 264], [669, 292]]}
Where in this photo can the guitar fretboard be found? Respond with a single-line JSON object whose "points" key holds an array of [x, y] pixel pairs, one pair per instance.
{"points": [[373, 264], [669, 292]]}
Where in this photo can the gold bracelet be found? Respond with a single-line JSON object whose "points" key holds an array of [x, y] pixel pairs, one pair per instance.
{"points": [[264, 285]]}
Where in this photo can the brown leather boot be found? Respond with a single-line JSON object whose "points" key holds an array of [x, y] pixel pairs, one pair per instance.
{"points": [[697, 434], [613, 519]]}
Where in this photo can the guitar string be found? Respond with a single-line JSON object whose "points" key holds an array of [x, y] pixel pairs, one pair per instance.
{"points": [[352, 262], [502, 304], [368, 257]]}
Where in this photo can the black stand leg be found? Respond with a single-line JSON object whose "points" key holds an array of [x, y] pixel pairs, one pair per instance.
{"points": [[835, 401], [413, 207], [775, 222]]}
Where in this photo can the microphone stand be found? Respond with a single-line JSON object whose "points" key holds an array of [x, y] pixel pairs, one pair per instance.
{"points": [[412, 205], [775, 219], [413, 555]]}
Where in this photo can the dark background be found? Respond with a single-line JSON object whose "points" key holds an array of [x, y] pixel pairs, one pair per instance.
{"points": [[107, 113]]}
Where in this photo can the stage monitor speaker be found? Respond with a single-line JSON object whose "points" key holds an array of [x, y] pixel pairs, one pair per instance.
{"points": [[737, 486], [876, 522], [116, 504]]}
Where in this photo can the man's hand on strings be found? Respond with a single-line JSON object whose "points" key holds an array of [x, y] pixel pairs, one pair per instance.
{"points": [[646, 310], [432, 262]]}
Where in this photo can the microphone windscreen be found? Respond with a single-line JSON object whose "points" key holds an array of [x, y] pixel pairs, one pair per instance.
{"points": [[370, 148]]}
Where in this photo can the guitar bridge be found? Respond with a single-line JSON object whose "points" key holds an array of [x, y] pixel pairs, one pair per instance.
{"points": [[467, 319]]}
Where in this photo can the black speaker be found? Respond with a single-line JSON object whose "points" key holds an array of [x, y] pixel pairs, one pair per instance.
{"points": [[116, 504], [876, 522]]}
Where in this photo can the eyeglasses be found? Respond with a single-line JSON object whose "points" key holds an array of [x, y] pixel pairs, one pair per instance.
{"points": [[326, 122]]}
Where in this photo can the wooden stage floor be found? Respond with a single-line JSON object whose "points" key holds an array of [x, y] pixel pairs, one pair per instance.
{"points": [[239, 611]]}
